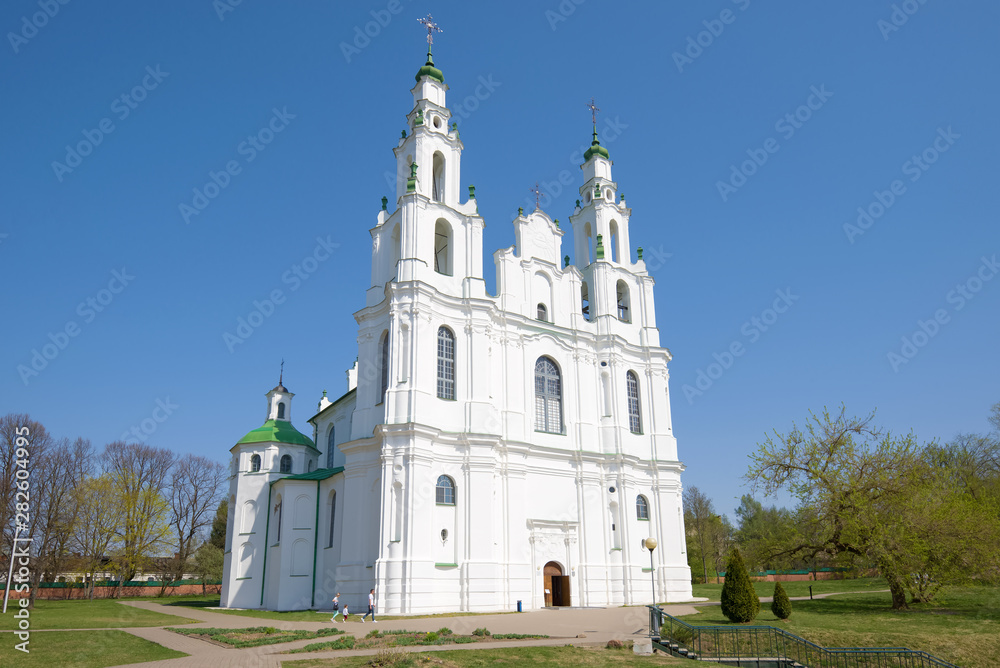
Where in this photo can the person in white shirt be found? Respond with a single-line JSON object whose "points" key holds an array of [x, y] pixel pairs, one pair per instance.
{"points": [[371, 607], [336, 607]]}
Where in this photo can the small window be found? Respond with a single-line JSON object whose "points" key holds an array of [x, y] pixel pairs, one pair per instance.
{"points": [[445, 491], [286, 464], [281, 410], [585, 301], [333, 517], [543, 313], [330, 448], [277, 521], [623, 310], [641, 508], [255, 464], [634, 416], [445, 364], [385, 366]]}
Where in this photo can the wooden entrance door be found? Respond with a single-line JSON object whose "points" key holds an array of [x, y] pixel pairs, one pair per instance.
{"points": [[552, 572]]}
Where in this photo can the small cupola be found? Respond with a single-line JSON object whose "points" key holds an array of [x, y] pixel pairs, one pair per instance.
{"points": [[279, 400]]}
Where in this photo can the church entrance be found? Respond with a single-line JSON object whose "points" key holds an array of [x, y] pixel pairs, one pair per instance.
{"points": [[556, 585]]}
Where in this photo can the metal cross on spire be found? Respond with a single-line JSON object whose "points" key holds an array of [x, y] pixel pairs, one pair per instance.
{"points": [[281, 373], [538, 194], [593, 110], [431, 28]]}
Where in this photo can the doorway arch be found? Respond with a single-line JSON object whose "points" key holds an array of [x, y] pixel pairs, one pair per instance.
{"points": [[556, 585]]}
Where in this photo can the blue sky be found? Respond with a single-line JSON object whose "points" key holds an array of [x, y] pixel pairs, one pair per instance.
{"points": [[745, 135]]}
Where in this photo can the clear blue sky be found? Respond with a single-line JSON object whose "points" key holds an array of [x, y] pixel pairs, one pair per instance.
{"points": [[881, 93]]}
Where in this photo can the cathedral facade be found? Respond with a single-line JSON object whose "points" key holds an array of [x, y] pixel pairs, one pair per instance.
{"points": [[490, 449]]}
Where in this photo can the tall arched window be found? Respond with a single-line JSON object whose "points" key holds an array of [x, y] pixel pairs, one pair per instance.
{"points": [[585, 300], [333, 517], [442, 247], [330, 448], [384, 365], [614, 241], [623, 311], [446, 364], [445, 491], [255, 464], [634, 416], [286, 464], [438, 185], [641, 508], [543, 313], [548, 396], [281, 410]]}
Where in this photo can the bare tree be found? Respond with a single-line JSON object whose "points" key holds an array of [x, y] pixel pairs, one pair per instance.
{"points": [[195, 490], [698, 513], [98, 516], [138, 475]]}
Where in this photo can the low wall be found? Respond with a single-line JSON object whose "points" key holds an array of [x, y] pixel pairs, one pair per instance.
{"points": [[70, 591]]}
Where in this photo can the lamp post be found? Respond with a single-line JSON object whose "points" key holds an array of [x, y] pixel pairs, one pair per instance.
{"points": [[650, 544]]}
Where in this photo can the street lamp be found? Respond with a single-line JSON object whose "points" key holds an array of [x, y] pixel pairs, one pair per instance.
{"points": [[650, 544]]}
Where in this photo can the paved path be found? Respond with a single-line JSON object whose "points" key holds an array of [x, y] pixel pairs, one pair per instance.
{"points": [[597, 625]]}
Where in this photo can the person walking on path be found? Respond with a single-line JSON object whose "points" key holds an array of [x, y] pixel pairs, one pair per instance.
{"points": [[336, 607], [345, 612], [371, 607]]}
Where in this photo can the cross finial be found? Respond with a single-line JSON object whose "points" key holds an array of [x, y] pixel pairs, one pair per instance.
{"points": [[593, 111], [431, 28], [281, 374], [538, 194]]}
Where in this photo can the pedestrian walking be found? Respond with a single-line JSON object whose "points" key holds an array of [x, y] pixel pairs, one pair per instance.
{"points": [[345, 612], [336, 607], [371, 607]]}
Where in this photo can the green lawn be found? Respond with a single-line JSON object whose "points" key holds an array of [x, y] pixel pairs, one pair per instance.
{"points": [[962, 624], [99, 614], [713, 592], [558, 657], [81, 649]]}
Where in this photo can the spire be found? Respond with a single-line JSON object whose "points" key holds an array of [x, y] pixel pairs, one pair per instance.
{"points": [[281, 375], [595, 145], [428, 69]]}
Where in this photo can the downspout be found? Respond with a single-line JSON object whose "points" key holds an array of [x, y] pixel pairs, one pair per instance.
{"points": [[267, 527], [315, 546]]}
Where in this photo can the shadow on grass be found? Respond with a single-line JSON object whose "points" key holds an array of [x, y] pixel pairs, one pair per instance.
{"points": [[214, 603]]}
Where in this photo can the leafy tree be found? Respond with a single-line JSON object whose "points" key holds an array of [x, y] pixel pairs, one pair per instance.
{"points": [[208, 562], [781, 606], [98, 516], [698, 514], [739, 600], [218, 535], [762, 533]]}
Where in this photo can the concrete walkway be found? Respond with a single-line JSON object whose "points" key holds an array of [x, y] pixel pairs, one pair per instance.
{"points": [[576, 626]]}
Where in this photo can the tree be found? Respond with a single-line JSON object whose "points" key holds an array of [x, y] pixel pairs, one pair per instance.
{"points": [[219, 524], [867, 493], [739, 600], [762, 534], [208, 562], [98, 517], [18, 432], [722, 541], [781, 605], [138, 474], [195, 488], [698, 514]]}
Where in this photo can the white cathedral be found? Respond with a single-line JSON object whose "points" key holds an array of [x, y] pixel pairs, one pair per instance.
{"points": [[490, 450]]}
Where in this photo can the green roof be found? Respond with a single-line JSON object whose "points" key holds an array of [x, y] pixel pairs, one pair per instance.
{"points": [[318, 474], [596, 148], [429, 70], [277, 431]]}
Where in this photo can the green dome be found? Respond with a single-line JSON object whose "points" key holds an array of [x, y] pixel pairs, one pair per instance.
{"points": [[428, 70], [277, 431], [596, 149]]}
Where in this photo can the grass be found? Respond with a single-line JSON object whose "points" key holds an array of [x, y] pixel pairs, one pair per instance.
{"points": [[713, 592], [398, 638], [558, 657], [98, 614], [256, 636], [82, 649], [961, 625]]}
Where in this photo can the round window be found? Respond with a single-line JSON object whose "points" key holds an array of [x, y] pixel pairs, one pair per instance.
{"points": [[437, 122], [444, 534]]}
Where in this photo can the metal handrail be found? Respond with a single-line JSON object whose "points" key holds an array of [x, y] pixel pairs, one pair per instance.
{"points": [[759, 644]]}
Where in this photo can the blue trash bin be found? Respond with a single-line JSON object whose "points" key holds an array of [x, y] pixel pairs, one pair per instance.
{"points": [[519, 606]]}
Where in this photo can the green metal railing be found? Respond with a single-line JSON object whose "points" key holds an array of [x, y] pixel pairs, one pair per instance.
{"points": [[762, 646]]}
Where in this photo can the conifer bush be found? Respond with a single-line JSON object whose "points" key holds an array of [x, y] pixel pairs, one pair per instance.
{"points": [[739, 600], [781, 606]]}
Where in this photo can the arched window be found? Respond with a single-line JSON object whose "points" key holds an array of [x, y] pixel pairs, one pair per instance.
{"points": [[384, 366], [333, 517], [281, 410], [255, 464], [641, 508], [585, 300], [623, 312], [588, 235], [446, 364], [543, 313], [445, 492], [634, 416], [277, 521], [438, 186], [614, 239], [442, 247], [548, 396], [330, 448], [286, 464]]}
